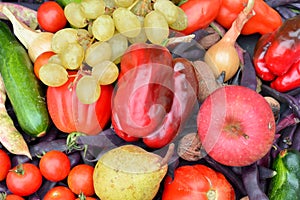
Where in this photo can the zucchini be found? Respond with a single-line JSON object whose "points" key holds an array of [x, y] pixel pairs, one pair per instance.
{"points": [[285, 185], [22, 87]]}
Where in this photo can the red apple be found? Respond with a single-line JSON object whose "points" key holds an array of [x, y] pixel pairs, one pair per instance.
{"points": [[236, 125]]}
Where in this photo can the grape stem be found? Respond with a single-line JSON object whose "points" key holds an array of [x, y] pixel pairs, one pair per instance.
{"points": [[174, 40]]}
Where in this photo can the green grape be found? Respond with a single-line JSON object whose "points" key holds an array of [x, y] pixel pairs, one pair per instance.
{"points": [[84, 38], [119, 44], [53, 75], [168, 9], [74, 15], [62, 38], [105, 72], [181, 22], [126, 22], [98, 52], [88, 90], [156, 27], [141, 37], [55, 59], [72, 56], [103, 28], [124, 3], [91, 9]]}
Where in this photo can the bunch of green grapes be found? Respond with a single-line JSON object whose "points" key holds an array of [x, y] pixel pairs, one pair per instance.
{"points": [[124, 17], [76, 48]]}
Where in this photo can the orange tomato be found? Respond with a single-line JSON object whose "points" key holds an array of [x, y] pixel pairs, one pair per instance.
{"points": [[40, 61]]}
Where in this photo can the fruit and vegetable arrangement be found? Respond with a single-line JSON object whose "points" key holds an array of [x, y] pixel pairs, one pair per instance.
{"points": [[150, 99]]}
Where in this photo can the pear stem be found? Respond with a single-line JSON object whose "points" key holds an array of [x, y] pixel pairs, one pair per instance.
{"points": [[168, 155]]}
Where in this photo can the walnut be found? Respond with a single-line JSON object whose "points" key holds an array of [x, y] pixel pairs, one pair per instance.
{"points": [[190, 148]]}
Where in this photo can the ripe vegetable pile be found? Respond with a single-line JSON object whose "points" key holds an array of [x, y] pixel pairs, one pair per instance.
{"points": [[150, 99]]}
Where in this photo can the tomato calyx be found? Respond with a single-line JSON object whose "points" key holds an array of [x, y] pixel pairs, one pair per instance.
{"points": [[211, 194], [19, 170], [81, 196]]}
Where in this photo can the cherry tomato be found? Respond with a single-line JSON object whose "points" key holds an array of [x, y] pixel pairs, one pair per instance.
{"points": [[13, 197], [70, 115], [51, 17], [80, 179], [196, 182], [40, 61], [5, 164], [59, 193], [200, 13], [24, 179], [55, 165]]}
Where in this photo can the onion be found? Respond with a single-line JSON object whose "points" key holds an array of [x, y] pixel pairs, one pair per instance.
{"points": [[36, 42], [223, 55]]}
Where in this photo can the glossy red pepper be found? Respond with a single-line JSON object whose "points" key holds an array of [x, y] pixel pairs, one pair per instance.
{"points": [[276, 56], [154, 95], [200, 13], [288, 81], [265, 20], [69, 114]]}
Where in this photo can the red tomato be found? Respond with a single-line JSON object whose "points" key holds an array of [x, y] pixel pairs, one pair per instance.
{"points": [[5, 164], [195, 182], [200, 13], [40, 61], [80, 179], [24, 179], [51, 17], [13, 197], [55, 165], [70, 115], [59, 193]]}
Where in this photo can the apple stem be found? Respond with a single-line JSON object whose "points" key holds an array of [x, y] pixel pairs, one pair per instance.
{"points": [[168, 155], [245, 136]]}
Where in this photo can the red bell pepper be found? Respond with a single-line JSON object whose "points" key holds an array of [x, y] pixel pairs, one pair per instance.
{"points": [[69, 114], [276, 56], [200, 13], [265, 20], [154, 95]]}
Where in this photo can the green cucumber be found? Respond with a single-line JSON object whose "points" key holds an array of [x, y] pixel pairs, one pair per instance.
{"points": [[22, 87], [285, 185]]}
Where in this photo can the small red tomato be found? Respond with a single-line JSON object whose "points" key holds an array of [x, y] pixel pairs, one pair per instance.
{"points": [[24, 179], [40, 61], [5, 164], [13, 197], [51, 17], [80, 180], [55, 165], [59, 193], [197, 182]]}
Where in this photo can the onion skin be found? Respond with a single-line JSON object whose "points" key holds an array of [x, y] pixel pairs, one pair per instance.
{"points": [[223, 57]]}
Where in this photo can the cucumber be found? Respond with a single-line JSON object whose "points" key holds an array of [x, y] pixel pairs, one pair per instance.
{"points": [[22, 87], [285, 185]]}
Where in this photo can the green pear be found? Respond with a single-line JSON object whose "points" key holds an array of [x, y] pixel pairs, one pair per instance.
{"points": [[129, 173]]}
